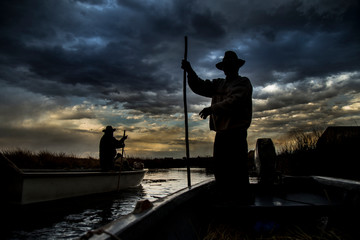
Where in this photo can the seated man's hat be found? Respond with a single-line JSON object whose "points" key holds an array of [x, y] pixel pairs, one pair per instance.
{"points": [[109, 129]]}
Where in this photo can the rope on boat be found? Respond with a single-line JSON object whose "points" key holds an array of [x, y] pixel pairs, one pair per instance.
{"points": [[91, 233]]}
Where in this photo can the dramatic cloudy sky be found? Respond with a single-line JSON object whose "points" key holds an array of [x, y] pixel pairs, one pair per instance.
{"points": [[68, 68]]}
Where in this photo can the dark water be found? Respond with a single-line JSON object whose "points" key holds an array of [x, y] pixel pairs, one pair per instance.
{"points": [[73, 218]]}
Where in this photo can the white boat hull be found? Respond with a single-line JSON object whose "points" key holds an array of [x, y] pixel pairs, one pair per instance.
{"points": [[34, 187]]}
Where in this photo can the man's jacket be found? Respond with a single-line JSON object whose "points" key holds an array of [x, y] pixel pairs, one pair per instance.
{"points": [[231, 103]]}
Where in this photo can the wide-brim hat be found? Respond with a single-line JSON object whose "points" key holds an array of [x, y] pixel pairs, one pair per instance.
{"points": [[109, 129], [230, 57]]}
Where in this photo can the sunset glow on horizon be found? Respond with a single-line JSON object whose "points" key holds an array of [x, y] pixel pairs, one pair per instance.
{"points": [[70, 68]]}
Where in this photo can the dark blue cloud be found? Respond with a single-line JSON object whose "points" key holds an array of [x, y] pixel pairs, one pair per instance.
{"points": [[126, 54]]}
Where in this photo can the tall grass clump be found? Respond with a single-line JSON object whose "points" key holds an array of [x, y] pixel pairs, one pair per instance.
{"points": [[275, 231], [300, 141], [26, 159], [298, 155]]}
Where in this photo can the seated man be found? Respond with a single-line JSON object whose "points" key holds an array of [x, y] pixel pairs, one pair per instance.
{"points": [[108, 146]]}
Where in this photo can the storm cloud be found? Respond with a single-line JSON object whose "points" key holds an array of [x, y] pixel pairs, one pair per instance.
{"points": [[69, 68]]}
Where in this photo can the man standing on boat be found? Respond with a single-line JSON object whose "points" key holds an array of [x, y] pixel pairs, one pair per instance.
{"points": [[108, 146], [230, 117]]}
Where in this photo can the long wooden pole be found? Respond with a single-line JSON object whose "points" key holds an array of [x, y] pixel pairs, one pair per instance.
{"points": [[186, 121], [121, 162], [122, 151]]}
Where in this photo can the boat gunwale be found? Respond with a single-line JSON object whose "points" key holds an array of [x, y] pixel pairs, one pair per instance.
{"points": [[59, 173], [164, 205], [124, 225]]}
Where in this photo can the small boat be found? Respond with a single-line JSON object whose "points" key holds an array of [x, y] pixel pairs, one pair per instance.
{"points": [[313, 203], [35, 186], [276, 207]]}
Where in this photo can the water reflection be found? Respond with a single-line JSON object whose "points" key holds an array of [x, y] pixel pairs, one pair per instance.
{"points": [[74, 218], [162, 182]]}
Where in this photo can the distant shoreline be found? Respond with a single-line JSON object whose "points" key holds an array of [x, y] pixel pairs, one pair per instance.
{"points": [[25, 159]]}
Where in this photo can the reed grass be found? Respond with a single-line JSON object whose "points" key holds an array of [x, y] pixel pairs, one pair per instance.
{"points": [[299, 155], [300, 141], [293, 232], [26, 159]]}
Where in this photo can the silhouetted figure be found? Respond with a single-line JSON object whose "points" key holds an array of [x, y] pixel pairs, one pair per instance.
{"points": [[108, 146], [230, 117]]}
